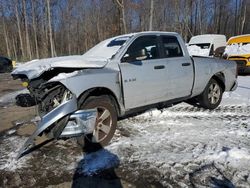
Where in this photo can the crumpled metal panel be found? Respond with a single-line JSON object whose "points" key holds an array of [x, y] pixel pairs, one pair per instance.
{"points": [[56, 114], [80, 122]]}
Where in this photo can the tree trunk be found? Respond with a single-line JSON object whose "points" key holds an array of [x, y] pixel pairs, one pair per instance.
{"points": [[45, 32], [243, 23], [151, 15], [50, 30], [123, 18], [196, 19], [19, 31], [190, 17], [34, 25], [6, 38], [14, 47], [28, 49], [235, 18], [219, 19]]}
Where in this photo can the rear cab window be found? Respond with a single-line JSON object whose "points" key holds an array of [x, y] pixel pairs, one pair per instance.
{"points": [[171, 47]]}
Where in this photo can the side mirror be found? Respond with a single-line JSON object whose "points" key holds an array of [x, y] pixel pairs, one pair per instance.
{"points": [[126, 58], [135, 56]]}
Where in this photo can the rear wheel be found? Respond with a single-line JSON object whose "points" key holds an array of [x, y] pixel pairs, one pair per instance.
{"points": [[211, 96], [106, 121]]}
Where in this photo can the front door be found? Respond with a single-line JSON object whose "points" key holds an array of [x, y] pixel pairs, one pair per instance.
{"points": [[143, 73]]}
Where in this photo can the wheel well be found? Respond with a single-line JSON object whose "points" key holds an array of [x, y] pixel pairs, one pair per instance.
{"points": [[220, 78], [98, 92]]}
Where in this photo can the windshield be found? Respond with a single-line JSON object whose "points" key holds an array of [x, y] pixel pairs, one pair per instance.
{"points": [[107, 48], [237, 49]]}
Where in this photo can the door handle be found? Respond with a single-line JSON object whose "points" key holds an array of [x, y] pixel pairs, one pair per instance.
{"points": [[159, 67], [186, 64]]}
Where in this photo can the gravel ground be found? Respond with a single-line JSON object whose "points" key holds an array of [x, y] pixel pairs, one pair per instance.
{"points": [[181, 146]]}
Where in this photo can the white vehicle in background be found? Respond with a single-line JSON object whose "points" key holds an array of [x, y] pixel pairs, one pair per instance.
{"points": [[207, 45]]}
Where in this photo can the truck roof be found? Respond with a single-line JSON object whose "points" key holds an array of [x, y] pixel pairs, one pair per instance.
{"points": [[239, 39], [147, 32], [157, 32], [206, 38]]}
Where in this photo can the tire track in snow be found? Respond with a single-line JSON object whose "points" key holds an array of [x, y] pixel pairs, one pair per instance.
{"points": [[179, 141]]}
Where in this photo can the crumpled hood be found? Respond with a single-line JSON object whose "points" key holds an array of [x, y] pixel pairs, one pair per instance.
{"points": [[35, 68]]}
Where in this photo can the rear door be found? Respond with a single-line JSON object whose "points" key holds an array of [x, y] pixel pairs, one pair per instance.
{"points": [[143, 73], [179, 66]]}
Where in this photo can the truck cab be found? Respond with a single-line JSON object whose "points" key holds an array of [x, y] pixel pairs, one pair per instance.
{"points": [[148, 68]]}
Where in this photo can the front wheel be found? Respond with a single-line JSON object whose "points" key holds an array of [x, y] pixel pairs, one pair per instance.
{"points": [[211, 96], [106, 121]]}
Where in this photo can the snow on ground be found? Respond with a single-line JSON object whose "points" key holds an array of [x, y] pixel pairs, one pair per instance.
{"points": [[185, 145], [10, 97], [242, 94], [8, 153], [178, 146], [182, 138], [237, 157]]}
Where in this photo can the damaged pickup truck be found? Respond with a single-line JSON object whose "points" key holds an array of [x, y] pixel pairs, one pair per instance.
{"points": [[84, 96]]}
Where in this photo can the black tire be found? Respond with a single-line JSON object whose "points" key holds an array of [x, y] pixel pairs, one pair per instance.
{"points": [[104, 105], [211, 96], [25, 100]]}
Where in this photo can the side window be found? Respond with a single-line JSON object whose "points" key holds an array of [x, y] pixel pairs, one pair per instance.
{"points": [[143, 48], [171, 47]]}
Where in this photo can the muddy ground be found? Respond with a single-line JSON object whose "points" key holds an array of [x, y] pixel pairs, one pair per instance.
{"points": [[182, 146]]}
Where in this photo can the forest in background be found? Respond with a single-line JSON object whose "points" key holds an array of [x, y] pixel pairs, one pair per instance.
{"points": [[31, 29]]}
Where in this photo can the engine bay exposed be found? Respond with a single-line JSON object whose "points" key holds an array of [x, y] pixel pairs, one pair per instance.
{"points": [[47, 95]]}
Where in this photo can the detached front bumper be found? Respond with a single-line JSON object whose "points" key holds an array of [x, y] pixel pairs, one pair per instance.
{"points": [[80, 122]]}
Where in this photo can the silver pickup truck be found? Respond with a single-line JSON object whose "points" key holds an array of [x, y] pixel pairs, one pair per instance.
{"points": [[84, 96]]}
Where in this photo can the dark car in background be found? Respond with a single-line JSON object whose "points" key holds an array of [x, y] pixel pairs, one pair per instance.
{"points": [[5, 65]]}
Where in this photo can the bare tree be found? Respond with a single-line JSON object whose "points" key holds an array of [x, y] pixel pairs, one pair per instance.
{"points": [[28, 49], [34, 26], [242, 19], [37, 29], [52, 50], [6, 37], [19, 29], [151, 15], [121, 6]]}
